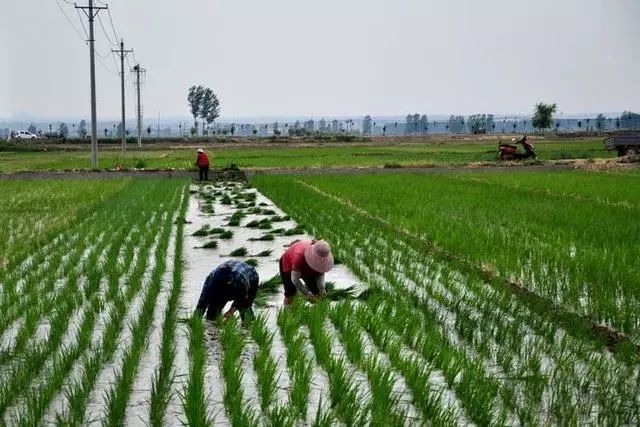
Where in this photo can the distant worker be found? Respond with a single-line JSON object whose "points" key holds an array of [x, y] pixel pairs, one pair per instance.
{"points": [[203, 165], [231, 281], [302, 268]]}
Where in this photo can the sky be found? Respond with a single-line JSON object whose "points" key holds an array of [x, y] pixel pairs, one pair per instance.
{"points": [[326, 58]]}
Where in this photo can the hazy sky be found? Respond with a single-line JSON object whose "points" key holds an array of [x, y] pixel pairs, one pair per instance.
{"points": [[330, 57]]}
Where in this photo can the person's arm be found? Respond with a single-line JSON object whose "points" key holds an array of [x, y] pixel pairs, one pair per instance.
{"points": [[321, 285], [296, 279], [205, 296]]}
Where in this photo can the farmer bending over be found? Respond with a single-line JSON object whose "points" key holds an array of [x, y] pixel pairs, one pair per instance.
{"points": [[232, 281], [302, 268], [203, 165]]}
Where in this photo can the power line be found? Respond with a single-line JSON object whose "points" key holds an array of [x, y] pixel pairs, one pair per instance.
{"points": [[114, 43], [71, 22], [115, 33]]}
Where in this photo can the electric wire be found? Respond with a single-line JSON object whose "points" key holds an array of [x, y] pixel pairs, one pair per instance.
{"points": [[70, 22], [112, 26], [114, 43], [82, 24]]}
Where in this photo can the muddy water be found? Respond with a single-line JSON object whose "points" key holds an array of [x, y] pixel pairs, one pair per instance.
{"points": [[200, 262]]}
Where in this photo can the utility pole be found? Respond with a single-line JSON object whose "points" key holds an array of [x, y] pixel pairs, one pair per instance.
{"points": [[91, 12], [137, 69], [122, 54]]}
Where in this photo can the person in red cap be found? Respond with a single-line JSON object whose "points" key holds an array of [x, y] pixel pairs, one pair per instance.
{"points": [[302, 268], [203, 165]]}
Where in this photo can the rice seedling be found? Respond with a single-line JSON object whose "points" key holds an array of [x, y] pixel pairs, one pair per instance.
{"points": [[298, 362], [252, 262], [239, 252], [211, 244], [264, 364], [193, 396], [280, 218], [264, 238], [226, 235], [294, 231], [264, 223], [164, 374], [202, 231], [265, 253], [234, 221], [226, 200], [232, 343]]}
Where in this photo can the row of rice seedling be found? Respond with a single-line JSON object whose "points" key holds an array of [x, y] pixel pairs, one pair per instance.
{"points": [[32, 214], [102, 273], [493, 350], [165, 372], [577, 253]]}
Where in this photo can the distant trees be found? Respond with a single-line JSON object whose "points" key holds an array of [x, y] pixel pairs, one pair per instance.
{"points": [[32, 128], [82, 129], [543, 115], [629, 120], [480, 123], [204, 104], [456, 124], [600, 121], [63, 130], [366, 125]]}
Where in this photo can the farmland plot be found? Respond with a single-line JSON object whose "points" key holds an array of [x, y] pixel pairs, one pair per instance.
{"points": [[76, 313], [467, 347], [96, 323]]}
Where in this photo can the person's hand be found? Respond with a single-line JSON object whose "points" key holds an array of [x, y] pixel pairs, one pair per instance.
{"points": [[323, 294], [312, 298]]}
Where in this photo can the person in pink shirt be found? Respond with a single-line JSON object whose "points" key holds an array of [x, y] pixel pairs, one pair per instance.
{"points": [[302, 269]]}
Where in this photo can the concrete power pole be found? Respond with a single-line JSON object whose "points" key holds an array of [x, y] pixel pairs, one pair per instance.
{"points": [[91, 12], [122, 53], [137, 69]]}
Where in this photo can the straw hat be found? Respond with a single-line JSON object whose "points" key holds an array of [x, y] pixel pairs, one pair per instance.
{"points": [[200, 150], [318, 256]]}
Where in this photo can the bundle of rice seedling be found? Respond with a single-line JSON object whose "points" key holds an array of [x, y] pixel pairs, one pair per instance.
{"points": [[213, 244]]}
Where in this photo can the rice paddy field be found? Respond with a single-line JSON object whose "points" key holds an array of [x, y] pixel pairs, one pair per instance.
{"points": [[265, 155], [475, 298]]}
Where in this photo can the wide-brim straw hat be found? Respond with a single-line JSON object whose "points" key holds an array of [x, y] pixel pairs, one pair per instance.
{"points": [[318, 256], [200, 150]]}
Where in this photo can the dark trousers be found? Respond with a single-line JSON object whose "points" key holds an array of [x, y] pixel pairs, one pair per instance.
{"points": [[290, 289], [216, 303], [204, 173]]}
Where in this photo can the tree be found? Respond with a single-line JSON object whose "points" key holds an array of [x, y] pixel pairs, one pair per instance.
{"points": [[600, 121], [149, 130], [194, 97], [629, 120], [456, 124], [366, 125], [409, 124], [63, 129], [543, 115], [32, 128], [209, 106], [82, 129], [424, 124]]}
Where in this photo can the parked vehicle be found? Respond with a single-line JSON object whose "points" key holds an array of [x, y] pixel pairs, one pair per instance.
{"points": [[23, 134], [510, 151], [626, 145]]}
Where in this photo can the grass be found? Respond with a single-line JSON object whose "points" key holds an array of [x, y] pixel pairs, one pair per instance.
{"points": [[400, 152]]}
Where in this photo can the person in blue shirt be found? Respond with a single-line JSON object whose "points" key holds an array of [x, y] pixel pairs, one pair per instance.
{"points": [[231, 281]]}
